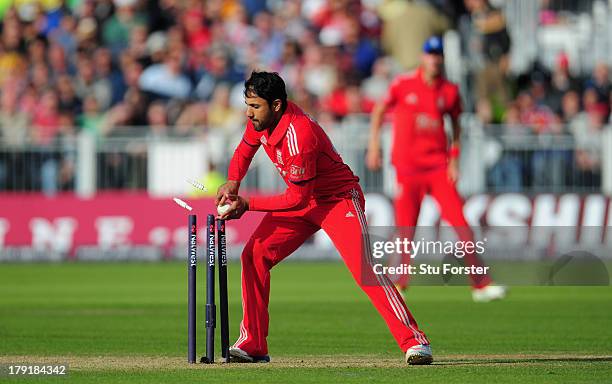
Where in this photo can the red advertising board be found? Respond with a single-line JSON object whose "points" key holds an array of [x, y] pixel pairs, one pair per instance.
{"points": [[109, 220], [111, 225]]}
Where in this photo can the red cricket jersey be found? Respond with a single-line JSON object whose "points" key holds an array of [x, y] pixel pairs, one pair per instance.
{"points": [[419, 140], [304, 156]]}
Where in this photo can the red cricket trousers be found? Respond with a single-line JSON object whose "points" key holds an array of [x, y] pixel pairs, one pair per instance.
{"points": [[412, 189], [281, 233]]}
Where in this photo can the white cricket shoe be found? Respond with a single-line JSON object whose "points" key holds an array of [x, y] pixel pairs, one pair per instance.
{"points": [[489, 293], [419, 355], [237, 355]]}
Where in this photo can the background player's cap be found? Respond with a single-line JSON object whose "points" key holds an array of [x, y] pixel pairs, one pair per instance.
{"points": [[434, 45]]}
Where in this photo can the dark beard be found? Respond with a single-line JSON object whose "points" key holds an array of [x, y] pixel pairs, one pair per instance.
{"points": [[259, 128]]}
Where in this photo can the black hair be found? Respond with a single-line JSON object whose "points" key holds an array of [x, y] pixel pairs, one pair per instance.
{"points": [[267, 85]]}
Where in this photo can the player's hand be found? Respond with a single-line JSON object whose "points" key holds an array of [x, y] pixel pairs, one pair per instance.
{"points": [[225, 191], [373, 158], [453, 170], [238, 206]]}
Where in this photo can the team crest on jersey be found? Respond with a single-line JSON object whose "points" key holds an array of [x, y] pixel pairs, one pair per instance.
{"points": [[263, 140], [412, 98], [279, 157]]}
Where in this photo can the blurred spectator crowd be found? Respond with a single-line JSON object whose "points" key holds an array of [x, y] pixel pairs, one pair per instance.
{"points": [[550, 120], [175, 68]]}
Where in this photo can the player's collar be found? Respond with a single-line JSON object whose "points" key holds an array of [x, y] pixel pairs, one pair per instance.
{"points": [[434, 84], [281, 128]]}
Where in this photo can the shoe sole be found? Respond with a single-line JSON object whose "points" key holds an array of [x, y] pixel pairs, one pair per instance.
{"points": [[419, 360], [488, 299], [239, 358]]}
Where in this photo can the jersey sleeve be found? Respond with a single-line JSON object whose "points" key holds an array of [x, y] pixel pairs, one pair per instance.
{"points": [[295, 197], [300, 187], [302, 145], [243, 155], [302, 168], [391, 96]]}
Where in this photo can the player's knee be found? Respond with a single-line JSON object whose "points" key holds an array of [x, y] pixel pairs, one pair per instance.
{"points": [[246, 257], [255, 253]]}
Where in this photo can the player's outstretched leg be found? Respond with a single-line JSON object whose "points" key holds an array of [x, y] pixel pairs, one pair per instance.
{"points": [[276, 237], [407, 205], [349, 235], [451, 206]]}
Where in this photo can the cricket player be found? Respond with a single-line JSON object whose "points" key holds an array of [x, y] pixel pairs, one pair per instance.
{"points": [[322, 193], [424, 161]]}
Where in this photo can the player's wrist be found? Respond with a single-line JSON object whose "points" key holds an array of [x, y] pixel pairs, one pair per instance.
{"points": [[374, 145], [454, 152], [233, 186]]}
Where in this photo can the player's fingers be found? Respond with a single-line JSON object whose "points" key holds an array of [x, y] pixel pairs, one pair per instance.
{"points": [[228, 215], [373, 162], [220, 194], [369, 162], [222, 199]]}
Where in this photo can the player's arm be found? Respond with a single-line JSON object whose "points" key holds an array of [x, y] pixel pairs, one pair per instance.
{"points": [[373, 155], [302, 173], [455, 145], [456, 134], [239, 165], [377, 116], [301, 181], [295, 197]]}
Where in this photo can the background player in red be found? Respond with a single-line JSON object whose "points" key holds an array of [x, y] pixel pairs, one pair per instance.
{"points": [[322, 193], [424, 161]]}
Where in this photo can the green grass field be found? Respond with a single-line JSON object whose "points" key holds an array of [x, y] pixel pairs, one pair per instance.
{"points": [[127, 323]]}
